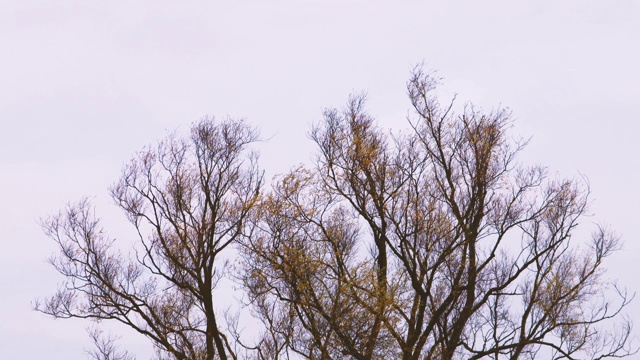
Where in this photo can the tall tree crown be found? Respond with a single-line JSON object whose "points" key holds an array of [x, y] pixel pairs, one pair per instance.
{"points": [[433, 243]]}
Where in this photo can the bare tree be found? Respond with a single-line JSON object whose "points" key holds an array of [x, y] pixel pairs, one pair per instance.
{"points": [[433, 244], [189, 200]]}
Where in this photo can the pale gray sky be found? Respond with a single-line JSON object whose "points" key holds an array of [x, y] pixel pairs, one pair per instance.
{"points": [[84, 84]]}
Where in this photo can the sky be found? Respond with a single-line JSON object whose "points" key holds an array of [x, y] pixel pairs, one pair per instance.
{"points": [[85, 84]]}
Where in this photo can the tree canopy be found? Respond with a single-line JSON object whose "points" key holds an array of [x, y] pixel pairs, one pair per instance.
{"points": [[428, 243]]}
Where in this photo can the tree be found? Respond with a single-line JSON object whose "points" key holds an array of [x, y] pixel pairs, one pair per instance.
{"points": [[189, 200], [432, 243], [470, 255]]}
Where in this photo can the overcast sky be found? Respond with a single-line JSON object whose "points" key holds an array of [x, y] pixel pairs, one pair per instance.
{"points": [[85, 84]]}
